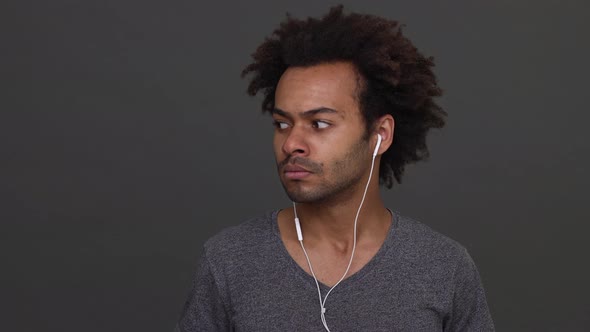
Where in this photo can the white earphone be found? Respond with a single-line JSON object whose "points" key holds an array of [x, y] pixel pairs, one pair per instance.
{"points": [[300, 238], [379, 138]]}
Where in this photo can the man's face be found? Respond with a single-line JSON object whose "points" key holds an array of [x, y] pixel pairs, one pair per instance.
{"points": [[319, 140]]}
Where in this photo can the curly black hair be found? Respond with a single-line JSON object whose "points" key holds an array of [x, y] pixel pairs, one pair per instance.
{"points": [[396, 79]]}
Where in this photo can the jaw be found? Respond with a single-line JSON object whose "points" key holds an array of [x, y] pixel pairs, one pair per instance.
{"points": [[324, 193]]}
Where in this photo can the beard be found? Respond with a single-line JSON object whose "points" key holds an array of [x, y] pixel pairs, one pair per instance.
{"points": [[337, 181]]}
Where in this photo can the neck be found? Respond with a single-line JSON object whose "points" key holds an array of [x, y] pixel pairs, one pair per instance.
{"points": [[333, 222]]}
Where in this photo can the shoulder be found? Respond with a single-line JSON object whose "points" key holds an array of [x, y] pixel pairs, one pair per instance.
{"points": [[435, 257], [420, 241], [242, 238]]}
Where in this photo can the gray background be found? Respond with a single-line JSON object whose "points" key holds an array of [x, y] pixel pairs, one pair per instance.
{"points": [[127, 139]]}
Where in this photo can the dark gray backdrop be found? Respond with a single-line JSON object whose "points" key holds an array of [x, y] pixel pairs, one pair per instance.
{"points": [[128, 139]]}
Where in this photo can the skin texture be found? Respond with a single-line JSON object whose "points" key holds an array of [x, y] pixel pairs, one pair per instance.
{"points": [[329, 144], [321, 136]]}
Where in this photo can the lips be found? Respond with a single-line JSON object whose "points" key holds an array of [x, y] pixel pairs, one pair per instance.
{"points": [[295, 172], [294, 168]]}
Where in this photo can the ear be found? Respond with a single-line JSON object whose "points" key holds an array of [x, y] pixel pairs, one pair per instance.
{"points": [[384, 126]]}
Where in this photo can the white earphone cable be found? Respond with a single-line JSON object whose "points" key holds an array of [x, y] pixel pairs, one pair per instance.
{"points": [[323, 302]]}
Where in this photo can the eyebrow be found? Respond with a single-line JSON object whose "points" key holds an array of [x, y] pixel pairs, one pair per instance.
{"points": [[309, 113]]}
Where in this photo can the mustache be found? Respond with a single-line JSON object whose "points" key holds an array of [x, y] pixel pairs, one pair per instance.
{"points": [[302, 162]]}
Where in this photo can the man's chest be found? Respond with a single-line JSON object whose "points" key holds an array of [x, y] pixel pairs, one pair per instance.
{"points": [[328, 264], [366, 305]]}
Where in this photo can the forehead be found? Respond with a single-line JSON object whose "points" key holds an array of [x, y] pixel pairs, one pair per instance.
{"points": [[330, 85]]}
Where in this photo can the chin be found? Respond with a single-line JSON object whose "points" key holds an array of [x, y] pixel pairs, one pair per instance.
{"points": [[301, 195], [298, 194]]}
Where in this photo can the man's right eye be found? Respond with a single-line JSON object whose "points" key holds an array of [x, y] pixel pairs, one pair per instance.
{"points": [[280, 124]]}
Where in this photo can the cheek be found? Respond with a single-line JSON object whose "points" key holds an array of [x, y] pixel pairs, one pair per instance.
{"points": [[352, 159], [277, 145], [341, 166]]}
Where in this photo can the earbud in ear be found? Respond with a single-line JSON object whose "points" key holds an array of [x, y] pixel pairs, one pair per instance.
{"points": [[379, 138]]}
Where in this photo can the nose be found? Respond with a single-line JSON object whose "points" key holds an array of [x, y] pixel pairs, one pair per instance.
{"points": [[295, 143]]}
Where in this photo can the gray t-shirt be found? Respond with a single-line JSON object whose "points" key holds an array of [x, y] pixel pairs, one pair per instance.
{"points": [[419, 280]]}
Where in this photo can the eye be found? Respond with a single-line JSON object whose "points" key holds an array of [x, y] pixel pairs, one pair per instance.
{"points": [[280, 124], [320, 124]]}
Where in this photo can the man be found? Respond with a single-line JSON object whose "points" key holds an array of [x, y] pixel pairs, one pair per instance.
{"points": [[352, 102]]}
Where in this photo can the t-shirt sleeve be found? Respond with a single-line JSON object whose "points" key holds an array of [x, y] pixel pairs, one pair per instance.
{"points": [[205, 309], [470, 309]]}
